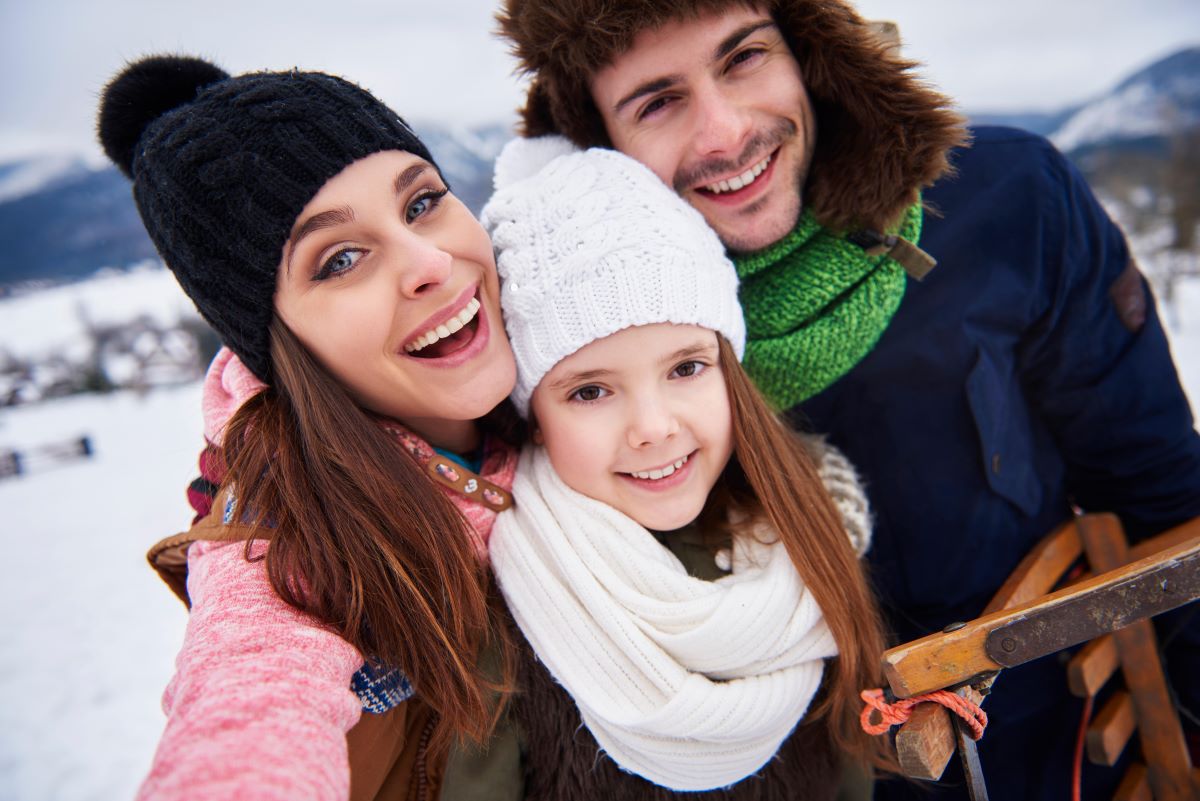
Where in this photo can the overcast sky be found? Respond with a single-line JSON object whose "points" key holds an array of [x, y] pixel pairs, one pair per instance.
{"points": [[438, 59]]}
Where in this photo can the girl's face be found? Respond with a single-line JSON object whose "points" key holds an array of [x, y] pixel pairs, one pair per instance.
{"points": [[390, 282], [640, 420]]}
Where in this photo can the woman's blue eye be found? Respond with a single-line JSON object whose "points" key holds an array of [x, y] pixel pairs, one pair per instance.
{"points": [[424, 204], [341, 262]]}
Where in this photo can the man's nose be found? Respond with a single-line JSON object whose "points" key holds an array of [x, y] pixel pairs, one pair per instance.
{"points": [[720, 124]]}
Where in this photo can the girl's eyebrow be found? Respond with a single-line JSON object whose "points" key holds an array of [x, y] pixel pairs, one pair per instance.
{"points": [[690, 351], [582, 375], [699, 348]]}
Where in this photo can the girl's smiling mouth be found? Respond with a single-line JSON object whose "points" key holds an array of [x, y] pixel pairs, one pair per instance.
{"points": [[661, 478]]}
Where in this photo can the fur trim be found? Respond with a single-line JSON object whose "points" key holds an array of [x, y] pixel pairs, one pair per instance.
{"points": [[882, 135]]}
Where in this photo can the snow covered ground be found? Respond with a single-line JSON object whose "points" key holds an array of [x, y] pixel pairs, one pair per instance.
{"points": [[89, 632]]}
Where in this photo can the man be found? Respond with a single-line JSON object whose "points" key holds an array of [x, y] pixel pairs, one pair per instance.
{"points": [[1027, 374]]}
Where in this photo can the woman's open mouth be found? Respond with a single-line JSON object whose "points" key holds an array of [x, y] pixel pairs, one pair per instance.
{"points": [[447, 337]]}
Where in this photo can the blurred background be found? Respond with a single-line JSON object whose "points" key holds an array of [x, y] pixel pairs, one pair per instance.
{"points": [[101, 353]]}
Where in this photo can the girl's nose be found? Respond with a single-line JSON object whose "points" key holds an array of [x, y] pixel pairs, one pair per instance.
{"points": [[651, 423]]}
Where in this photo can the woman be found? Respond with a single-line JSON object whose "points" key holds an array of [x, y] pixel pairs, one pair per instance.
{"points": [[314, 232]]}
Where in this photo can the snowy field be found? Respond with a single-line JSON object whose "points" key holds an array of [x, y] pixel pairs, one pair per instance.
{"points": [[89, 630]]}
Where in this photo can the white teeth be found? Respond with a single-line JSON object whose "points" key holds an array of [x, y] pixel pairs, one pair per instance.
{"points": [[444, 330], [739, 181], [660, 472]]}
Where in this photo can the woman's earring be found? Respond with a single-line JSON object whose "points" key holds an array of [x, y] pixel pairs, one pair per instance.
{"points": [[538, 439]]}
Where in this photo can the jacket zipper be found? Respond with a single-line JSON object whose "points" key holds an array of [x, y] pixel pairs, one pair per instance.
{"points": [[423, 788]]}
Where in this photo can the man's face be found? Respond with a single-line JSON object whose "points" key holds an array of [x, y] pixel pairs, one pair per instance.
{"points": [[716, 107]]}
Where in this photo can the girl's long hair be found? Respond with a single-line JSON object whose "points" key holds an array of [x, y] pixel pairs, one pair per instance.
{"points": [[773, 476], [362, 540]]}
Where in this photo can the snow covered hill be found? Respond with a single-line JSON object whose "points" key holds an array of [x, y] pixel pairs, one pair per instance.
{"points": [[1147, 105]]}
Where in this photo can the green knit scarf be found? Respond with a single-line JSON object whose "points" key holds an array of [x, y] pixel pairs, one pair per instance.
{"points": [[815, 305]]}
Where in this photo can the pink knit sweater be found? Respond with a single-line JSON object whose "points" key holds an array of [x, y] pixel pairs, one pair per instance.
{"points": [[260, 702]]}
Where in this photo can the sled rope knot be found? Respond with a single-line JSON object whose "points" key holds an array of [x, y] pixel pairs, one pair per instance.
{"points": [[896, 713]]}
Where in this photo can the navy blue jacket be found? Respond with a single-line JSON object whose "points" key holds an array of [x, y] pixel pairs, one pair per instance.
{"points": [[1006, 388]]}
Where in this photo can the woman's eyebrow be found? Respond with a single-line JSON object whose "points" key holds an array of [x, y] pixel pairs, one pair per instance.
{"points": [[325, 219], [405, 179]]}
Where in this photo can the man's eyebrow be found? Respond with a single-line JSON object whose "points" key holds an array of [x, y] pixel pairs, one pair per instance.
{"points": [[726, 46], [730, 42], [648, 88]]}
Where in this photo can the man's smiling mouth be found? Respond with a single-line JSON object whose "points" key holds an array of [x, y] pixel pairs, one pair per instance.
{"points": [[739, 181]]}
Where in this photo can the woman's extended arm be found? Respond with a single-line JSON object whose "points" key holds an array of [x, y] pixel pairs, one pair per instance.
{"points": [[260, 702]]}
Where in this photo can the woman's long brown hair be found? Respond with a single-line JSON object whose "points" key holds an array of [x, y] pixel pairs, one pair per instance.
{"points": [[362, 540], [772, 474]]}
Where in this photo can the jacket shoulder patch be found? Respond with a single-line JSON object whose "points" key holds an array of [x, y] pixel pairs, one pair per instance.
{"points": [[1128, 295]]}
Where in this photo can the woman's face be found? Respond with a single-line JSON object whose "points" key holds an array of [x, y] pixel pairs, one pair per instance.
{"points": [[390, 282]]}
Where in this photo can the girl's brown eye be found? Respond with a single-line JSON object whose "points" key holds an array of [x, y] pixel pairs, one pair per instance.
{"points": [[687, 369], [586, 394]]}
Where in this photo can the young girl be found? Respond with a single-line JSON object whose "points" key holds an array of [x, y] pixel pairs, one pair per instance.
{"points": [[360, 301], [686, 583]]}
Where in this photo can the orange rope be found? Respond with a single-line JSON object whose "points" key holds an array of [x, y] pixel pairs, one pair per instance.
{"points": [[900, 711]]}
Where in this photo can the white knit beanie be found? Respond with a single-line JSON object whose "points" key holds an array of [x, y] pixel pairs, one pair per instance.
{"points": [[591, 242]]}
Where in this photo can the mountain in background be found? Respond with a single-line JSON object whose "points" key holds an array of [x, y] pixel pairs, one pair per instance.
{"points": [[62, 220], [1143, 112]]}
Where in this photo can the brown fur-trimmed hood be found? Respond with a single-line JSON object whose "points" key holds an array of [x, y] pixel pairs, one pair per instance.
{"points": [[882, 135]]}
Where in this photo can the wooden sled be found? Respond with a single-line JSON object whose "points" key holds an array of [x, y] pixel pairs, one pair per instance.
{"points": [[1109, 608]]}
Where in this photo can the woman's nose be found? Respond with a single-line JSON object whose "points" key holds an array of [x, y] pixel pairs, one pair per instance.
{"points": [[423, 266]]}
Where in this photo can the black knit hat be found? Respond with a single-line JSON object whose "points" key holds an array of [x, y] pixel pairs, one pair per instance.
{"points": [[222, 166]]}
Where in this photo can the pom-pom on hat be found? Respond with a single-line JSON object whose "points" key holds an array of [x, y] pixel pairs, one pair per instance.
{"points": [[222, 167], [591, 242]]}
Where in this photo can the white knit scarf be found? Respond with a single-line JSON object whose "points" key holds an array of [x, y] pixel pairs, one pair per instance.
{"points": [[690, 684]]}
